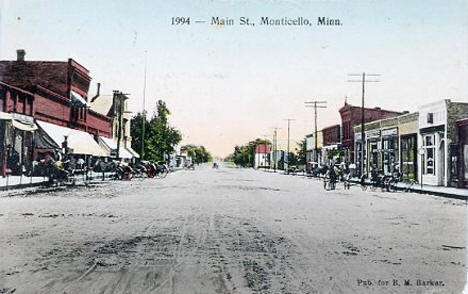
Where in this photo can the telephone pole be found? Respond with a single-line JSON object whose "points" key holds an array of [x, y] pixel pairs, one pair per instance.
{"points": [[266, 148], [287, 154], [316, 104], [275, 146], [143, 111], [363, 81]]}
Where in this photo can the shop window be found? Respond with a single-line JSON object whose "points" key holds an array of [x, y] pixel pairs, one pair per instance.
{"points": [[429, 155]]}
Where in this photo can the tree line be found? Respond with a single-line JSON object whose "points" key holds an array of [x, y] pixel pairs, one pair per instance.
{"points": [[159, 137], [244, 155]]}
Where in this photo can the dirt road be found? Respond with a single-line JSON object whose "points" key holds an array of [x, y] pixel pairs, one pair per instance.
{"points": [[230, 231]]}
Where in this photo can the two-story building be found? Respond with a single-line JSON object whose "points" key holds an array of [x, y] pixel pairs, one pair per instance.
{"points": [[313, 153], [331, 148], [438, 141], [115, 106], [351, 116], [58, 92]]}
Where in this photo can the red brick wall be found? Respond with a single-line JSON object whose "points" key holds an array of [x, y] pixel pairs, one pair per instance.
{"points": [[351, 116], [331, 135], [98, 124], [51, 75], [51, 110], [9, 95], [51, 81]]}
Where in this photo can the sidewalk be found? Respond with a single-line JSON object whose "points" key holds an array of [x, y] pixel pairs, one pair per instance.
{"points": [[436, 190], [448, 192], [15, 182]]}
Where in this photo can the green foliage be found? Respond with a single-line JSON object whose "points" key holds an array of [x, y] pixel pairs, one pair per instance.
{"points": [[245, 155], [301, 152], [199, 154], [159, 137]]}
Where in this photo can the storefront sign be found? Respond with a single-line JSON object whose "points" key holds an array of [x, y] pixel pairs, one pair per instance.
{"points": [[23, 118], [373, 134], [390, 132]]}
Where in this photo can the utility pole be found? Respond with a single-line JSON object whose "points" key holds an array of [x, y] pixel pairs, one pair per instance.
{"points": [[266, 148], [143, 111], [275, 146], [287, 155], [363, 81], [316, 104]]}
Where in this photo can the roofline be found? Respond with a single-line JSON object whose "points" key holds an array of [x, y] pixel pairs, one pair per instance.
{"points": [[16, 88]]}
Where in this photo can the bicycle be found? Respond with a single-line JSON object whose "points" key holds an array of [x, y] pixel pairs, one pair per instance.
{"points": [[329, 184], [161, 170]]}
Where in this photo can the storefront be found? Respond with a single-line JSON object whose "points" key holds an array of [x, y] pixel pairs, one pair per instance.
{"points": [[462, 163], [373, 147], [433, 155], [359, 153], [390, 156], [408, 164], [16, 147], [73, 141]]}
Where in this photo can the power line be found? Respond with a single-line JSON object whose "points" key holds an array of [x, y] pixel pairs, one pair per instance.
{"points": [[143, 111], [316, 104], [287, 154], [363, 81]]}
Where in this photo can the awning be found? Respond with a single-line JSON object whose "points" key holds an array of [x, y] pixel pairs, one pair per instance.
{"points": [[78, 99], [20, 125], [5, 115], [79, 142], [133, 152], [20, 121], [44, 141], [111, 146]]}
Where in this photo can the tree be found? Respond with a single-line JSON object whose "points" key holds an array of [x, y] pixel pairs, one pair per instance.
{"points": [[301, 152], [245, 155], [199, 154], [160, 137]]}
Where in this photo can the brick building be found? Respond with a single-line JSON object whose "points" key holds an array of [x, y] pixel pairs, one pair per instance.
{"points": [[331, 142], [351, 117], [16, 128], [55, 94], [60, 92]]}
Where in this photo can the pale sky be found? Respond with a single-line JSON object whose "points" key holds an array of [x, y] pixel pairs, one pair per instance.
{"points": [[226, 86]]}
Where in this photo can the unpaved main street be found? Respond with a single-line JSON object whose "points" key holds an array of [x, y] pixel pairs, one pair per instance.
{"points": [[229, 231]]}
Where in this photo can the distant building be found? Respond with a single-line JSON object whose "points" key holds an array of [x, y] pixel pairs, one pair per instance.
{"points": [[262, 152], [277, 159], [331, 144], [313, 156], [115, 106]]}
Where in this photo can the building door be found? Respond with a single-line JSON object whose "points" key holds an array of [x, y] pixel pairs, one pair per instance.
{"points": [[441, 161], [409, 158]]}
